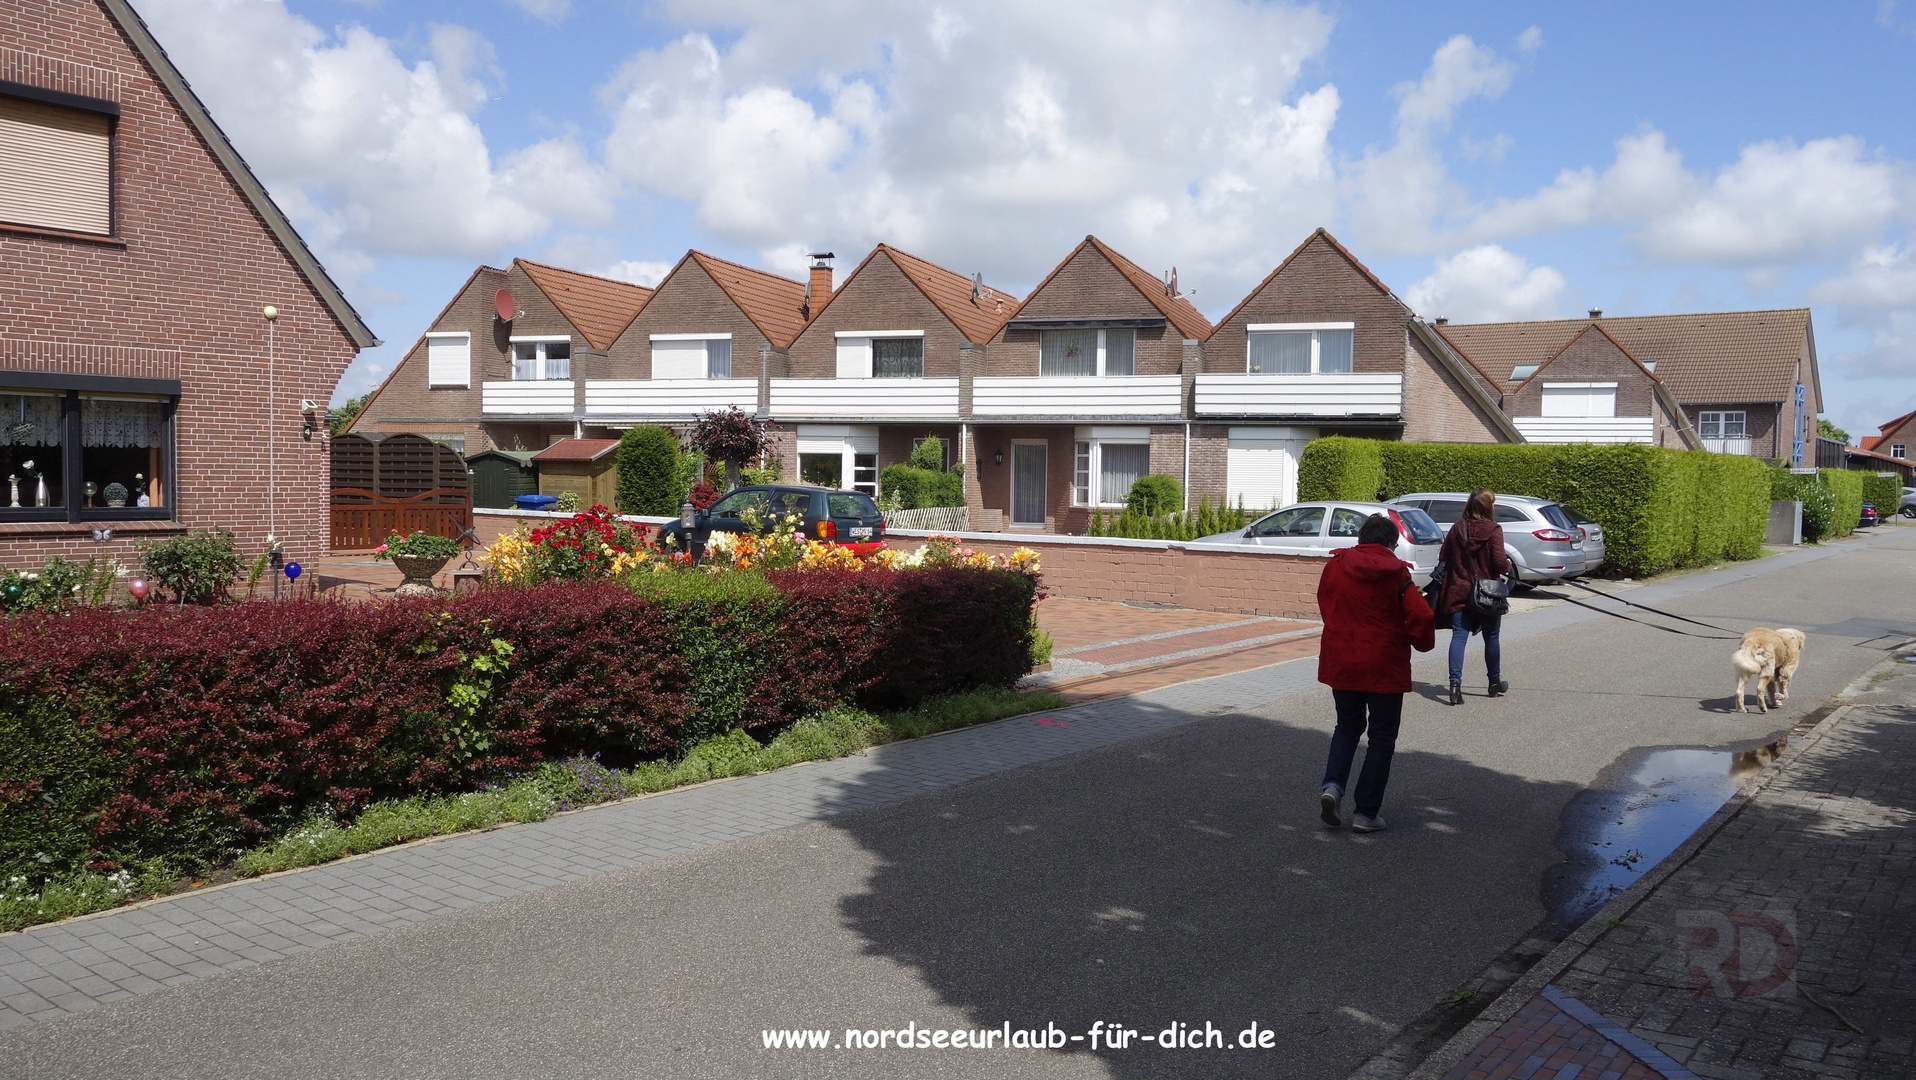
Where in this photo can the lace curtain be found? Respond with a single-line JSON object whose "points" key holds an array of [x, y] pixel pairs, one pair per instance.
{"points": [[106, 422], [29, 420]]}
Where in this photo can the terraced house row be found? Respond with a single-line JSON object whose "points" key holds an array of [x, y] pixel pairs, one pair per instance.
{"points": [[1057, 401]]}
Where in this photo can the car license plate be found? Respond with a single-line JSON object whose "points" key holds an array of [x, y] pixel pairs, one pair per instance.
{"points": [[861, 533]]}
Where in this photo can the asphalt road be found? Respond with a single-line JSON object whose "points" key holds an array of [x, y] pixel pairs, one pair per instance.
{"points": [[1178, 878]]}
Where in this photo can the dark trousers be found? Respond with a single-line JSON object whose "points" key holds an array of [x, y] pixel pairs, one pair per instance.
{"points": [[1356, 711]]}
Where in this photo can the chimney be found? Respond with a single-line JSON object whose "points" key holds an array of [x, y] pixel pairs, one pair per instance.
{"points": [[1596, 313], [1443, 320], [819, 290]]}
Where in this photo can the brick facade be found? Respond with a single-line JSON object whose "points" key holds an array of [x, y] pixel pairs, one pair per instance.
{"points": [[180, 284], [1087, 286], [689, 301], [877, 296], [1437, 408], [1318, 283]]}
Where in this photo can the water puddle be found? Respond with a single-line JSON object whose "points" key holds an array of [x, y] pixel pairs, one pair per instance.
{"points": [[1639, 811]]}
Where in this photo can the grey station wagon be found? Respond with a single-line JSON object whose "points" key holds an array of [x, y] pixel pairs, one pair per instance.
{"points": [[1541, 540]]}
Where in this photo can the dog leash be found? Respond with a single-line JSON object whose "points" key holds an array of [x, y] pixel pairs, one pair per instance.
{"points": [[1643, 622], [1655, 611]]}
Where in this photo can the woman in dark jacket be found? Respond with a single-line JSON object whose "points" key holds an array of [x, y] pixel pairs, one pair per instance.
{"points": [[1373, 618], [1473, 550]]}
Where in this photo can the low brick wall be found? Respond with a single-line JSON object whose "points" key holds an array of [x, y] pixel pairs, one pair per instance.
{"points": [[1210, 577]]}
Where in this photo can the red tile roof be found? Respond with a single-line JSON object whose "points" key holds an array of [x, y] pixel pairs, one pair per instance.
{"points": [[1320, 233], [576, 450], [1180, 311], [950, 292], [600, 307], [770, 301], [1727, 356], [1593, 326]]}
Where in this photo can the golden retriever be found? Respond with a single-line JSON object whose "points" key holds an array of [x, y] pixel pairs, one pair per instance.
{"points": [[1771, 657]]}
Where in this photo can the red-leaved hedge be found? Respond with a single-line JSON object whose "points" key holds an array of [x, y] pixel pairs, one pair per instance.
{"points": [[185, 733]]}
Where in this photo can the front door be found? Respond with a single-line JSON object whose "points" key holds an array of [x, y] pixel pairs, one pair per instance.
{"points": [[1027, 483]]}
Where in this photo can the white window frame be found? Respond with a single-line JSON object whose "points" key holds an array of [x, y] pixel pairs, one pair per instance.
{"points": [[540, 341], [705, 367], [1102, 348], [437, 368], [1721, 416], [1087, 463], [1899, 450], [854, 348], [1317, 343]]}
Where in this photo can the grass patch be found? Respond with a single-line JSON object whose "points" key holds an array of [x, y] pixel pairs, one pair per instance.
{"points": [[535, 796]]}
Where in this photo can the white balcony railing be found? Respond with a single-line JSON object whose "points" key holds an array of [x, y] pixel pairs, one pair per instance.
{"points": [[528, 397], [1727, 446], [1067, 398], [1586, 429], [631, 399], [865, 399], [1300, 395]]}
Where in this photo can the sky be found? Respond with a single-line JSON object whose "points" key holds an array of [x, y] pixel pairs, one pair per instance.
{"points": [[1488, 160]]}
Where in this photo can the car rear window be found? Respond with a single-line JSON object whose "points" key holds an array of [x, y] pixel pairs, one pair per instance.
{"points": [[1554, 515], [847, 504], [1571, 513], [1445, 511], [1422, 530]]}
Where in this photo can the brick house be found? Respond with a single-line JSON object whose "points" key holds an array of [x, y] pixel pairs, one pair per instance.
{"points": [[1593, 390], [140, 373], [1894, 439], [478, 381], [1743, 382]]}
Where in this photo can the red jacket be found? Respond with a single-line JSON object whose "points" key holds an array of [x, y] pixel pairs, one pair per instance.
{"points": [[1373, 617]]}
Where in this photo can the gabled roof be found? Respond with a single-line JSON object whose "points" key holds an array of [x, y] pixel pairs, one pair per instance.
{"points": [[1178, 310], [1871, 442], [366, 409], [770, 301], [598, 306], [1320, 233], [576, 450], [1727, 356], [950, 292], [1574, 338], [250, 188]]}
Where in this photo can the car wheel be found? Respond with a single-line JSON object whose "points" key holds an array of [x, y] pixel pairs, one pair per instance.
{"points": [[1909, 511]]}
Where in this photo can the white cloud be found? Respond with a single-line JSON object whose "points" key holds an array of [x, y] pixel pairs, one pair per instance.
{"points": [[1881, 277], [372, 155], [1487, 284], [638, 271], [991, 136], [546, 11]]}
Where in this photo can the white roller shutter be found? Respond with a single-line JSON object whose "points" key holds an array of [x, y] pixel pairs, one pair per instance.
{"points": [[55, 167], [1579, 399], [854, 358], [678, 359], [1261, 466], [449, 359]]}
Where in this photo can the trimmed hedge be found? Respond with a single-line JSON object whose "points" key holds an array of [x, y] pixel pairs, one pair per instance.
{"points": [[915, 489], [1659, 508], [1847, 487], [1155, 494], [649, 466], [185, 734], [1883, 492]]}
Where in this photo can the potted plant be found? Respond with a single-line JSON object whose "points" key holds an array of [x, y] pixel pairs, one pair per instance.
{"points": [[418, 556]]}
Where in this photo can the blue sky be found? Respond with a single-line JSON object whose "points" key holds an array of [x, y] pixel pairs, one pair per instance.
{"points": [[1488, 160]]}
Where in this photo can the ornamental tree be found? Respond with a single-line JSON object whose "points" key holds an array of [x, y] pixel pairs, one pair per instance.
{"points": [[733, 436]]}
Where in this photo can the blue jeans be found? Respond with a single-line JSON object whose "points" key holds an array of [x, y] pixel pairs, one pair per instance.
{"points": [[1386, 712], [1491, 625]]}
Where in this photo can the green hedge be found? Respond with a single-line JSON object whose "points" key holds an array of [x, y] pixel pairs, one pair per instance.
{"points": [[1819, 506], [1155, 494], [1847, 486], [1206, 520], [1659, 508], [1338, 467], [1883, 492], [914, 489]]}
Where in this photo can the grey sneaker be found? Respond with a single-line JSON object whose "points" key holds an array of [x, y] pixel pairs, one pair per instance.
{"points": [[1360, 823], [1327, 807]]}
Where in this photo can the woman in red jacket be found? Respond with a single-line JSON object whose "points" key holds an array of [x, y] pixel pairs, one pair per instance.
{"points": [[1373, 618], [1473, 550]]}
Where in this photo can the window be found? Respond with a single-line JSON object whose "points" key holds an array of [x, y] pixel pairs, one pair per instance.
{"points": [[1898, 450], [1445, 511], [1086, 353], [1105, 467], [852, 506], [1720, 425], [1298, 348], [541, 358], [1579, 400], [78, 454], [839, 457], [56, 166], [691, 356], [738, 503], [449, 359], [1346, 522], [898, 358], [1297, 521], [1507, 514]]}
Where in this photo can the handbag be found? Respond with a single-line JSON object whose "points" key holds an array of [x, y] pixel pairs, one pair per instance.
{"points": [[1434, 591], [1489, 597]]}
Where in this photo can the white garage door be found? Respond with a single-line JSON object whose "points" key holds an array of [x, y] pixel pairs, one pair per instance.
{"points": [[1261, 466]]}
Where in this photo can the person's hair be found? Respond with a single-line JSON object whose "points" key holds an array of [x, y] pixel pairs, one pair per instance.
{"points": [[1378, 529], [1482, 504]]}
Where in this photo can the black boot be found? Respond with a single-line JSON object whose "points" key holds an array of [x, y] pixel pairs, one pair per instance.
{"points": [[1498, 687], [1456, 693]]}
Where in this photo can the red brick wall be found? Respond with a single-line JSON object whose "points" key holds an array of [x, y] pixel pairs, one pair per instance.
{"points": [[877, 297], [1087, 287], [196, 265], [1592, 357], [690, 302], [1437, 408]]}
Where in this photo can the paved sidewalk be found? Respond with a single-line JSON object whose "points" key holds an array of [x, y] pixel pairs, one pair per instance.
{"points": [[1780, 942]]}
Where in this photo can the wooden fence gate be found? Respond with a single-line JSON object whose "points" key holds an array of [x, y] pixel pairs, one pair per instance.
{"points": [[399, 484]]}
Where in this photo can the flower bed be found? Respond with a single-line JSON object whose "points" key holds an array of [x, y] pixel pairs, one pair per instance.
{"points": [[185, 734]]}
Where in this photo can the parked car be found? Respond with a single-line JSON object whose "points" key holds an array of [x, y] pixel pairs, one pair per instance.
{"points": [[1870, 517], [1594, 550], [1909, 502], [1541, 540], [833, 516], [1335, 525]]}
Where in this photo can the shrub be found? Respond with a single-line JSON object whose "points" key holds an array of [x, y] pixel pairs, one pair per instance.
{"points": [[730, 437], [421, 543], [567, 502], [648, 465], [1885, 492], [1819, 506], [1847, 489], [1155, 494], [702, 496], [1206, 520], [928, 454], [912, 488], [195, 567], [60, 583], [1340, 467]]}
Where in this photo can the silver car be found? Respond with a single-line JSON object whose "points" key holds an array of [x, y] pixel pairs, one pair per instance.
{"points": [[1594, 551], [1541, 540], [1336, 524]]}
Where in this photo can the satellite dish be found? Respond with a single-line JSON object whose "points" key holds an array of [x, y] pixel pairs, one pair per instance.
{"points": [[502, 303]]}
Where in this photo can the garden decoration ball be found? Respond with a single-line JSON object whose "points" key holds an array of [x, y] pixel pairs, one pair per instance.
{"points": [[292, 571], [13, 591], [138, 588]]}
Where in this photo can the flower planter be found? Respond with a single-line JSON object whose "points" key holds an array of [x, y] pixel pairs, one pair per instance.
{"points": [[419, 570]]}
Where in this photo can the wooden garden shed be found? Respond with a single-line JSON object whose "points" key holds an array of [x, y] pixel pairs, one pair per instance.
{"points": [[586, 466], [396, 484], [499, 476]]}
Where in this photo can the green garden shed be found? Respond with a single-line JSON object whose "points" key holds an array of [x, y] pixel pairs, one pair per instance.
{"points": [[499, 476]]}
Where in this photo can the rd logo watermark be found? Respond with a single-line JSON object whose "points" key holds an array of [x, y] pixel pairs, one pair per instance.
{"points": [[1738, 954]]}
